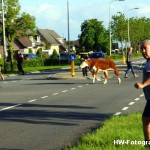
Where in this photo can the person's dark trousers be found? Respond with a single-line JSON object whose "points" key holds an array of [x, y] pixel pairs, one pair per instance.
{"points": [[129, 66], [20, 69]]}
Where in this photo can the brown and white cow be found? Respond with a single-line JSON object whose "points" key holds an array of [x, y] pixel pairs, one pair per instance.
{"points": [[102, 64]]}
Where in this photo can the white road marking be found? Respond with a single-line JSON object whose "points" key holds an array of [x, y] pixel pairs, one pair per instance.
{"points": [[32, 100], [44, 97], [6, 108], [86, 84], [80, 86], [137, 99], [73, 88], [5, 82], [118, 113], [13, 81], [125, 108], [142, 95], [55, 94], [131, 103], [65, 91]]}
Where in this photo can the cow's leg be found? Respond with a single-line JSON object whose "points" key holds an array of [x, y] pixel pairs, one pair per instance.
{"points": [[98, 79], [106, 76], [119, 80], [117, 74], [94, 76]]}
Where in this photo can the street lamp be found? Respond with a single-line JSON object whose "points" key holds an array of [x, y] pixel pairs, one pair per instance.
{"points": [[4, 37], [110, 26], [68, 28], [129, 44]]}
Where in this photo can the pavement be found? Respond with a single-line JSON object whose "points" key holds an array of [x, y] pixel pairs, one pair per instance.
{"points": [[77, 74], [66, 73]]}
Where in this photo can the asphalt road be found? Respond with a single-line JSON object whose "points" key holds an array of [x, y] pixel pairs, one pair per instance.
{"points": [[42, 111]]}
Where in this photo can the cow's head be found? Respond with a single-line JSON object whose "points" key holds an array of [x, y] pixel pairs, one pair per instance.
{"points": [[83, 64]]}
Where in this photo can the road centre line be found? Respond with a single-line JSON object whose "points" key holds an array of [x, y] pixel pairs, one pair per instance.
{"points": [[55, 93], [65, 91], [30, 101], [73, 88], [142, 95], [131, 103], [137, 99], [5, 82], [6, 108], [44, 97], [117, 113], [125, 108], [80, 86]]}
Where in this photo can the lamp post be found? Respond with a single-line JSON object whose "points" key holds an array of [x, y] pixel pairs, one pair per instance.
{"points": [[68, 27], [110, 44], [129, 44], [4, 37]]}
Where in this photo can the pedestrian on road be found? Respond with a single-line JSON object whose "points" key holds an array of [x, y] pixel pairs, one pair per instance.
{"points": [[129, 62], [83, 57], [1, 75], [145, 85], [19, 62]]}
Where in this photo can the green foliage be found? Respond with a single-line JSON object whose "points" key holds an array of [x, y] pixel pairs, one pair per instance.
{"points": [[17, 25], [30, 50], [138, 29], [125, 127], [93, 35], [39, 52], [54, 55]]}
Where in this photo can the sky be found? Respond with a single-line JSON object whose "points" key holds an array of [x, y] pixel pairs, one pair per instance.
{"points": [[52, 14]]}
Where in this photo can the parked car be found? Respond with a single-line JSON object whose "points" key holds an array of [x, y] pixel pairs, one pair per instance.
{"points": [[29, 56], [63, 56], [96, 55]]}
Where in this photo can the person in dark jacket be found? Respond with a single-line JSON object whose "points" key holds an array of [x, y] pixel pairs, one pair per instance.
{"points": [[19, 62]]}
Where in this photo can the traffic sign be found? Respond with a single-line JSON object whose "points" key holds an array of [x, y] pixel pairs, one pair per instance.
{"points": [[72, 57]]}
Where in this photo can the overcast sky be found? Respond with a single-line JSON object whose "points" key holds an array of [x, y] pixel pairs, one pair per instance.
{"points": [[52, 14]]}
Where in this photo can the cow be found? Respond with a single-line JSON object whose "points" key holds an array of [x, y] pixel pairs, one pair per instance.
{"points": [[101, 64]]}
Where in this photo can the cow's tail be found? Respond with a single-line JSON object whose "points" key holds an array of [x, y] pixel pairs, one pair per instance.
{"points": [[116, 70]]}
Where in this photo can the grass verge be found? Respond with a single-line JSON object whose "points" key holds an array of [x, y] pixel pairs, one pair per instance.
{"points": [[117, 133]]}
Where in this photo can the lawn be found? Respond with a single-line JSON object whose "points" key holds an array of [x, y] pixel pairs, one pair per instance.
{"points": [[117, 133]]}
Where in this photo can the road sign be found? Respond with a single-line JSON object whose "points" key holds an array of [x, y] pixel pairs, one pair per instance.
{"points": [[72, 57]]}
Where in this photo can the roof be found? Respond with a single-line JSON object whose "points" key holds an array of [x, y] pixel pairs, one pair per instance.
{"points": [[25, 42], [49, 35]]}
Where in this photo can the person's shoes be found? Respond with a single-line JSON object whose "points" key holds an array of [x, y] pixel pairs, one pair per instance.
{"points": [[126, 76], [135, 76]]}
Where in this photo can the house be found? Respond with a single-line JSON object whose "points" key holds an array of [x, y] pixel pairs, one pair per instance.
{"points": [[43, 37], [53, 39]]}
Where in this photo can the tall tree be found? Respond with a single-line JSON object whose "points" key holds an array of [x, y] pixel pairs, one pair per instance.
{"points": [[17, 25], [119, 28], [93, 35]]}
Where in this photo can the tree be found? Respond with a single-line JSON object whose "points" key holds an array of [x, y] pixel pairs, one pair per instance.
{"points": [[119, 28], [93, 35], [17, 25], [139, 29], [54, 55]]}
